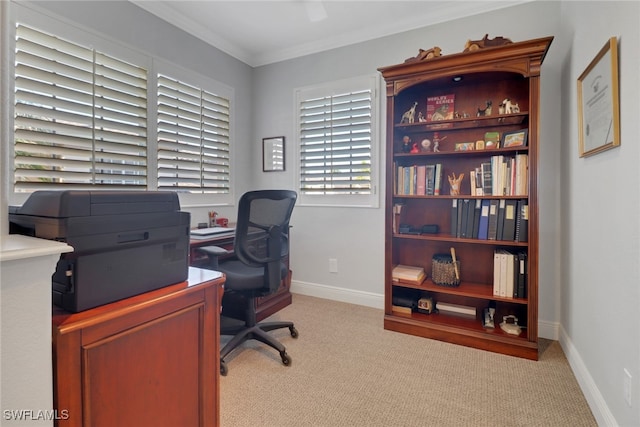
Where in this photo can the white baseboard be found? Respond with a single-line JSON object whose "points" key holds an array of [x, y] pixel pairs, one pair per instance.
{"points": [[596, 401], [368, 299], [548, 330]]}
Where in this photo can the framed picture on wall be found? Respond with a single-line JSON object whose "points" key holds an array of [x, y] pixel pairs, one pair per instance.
{"points": [[273, 154], [598, 102]]}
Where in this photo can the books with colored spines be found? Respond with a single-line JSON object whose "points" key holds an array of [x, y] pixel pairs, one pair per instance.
{"points": [[437, 180]]}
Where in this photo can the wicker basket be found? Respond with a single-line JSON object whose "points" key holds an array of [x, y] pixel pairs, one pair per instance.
{"points": [[443, 272]]}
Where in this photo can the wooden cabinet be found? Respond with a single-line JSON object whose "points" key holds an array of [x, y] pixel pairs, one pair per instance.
{"points": [[150, 360], [265, 306], [473, 80]]}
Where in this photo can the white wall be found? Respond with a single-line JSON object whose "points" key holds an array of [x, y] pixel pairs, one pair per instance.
{"points": [[600, 205]]}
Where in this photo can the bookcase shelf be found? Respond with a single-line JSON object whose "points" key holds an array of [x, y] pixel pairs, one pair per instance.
{"points": [[483, 78]]}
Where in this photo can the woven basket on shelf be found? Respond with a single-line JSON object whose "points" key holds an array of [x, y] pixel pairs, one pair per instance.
{"points": [[443, 272]]}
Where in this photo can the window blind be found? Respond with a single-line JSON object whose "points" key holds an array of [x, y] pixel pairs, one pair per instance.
{"points": [[193, 138], [80, 116], [335, 143]]}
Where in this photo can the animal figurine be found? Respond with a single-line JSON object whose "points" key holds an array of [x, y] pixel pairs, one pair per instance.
{"points": [[409, 115], [425, 54], [455, 183], [414, 148], [486, 111], [472, 45]]}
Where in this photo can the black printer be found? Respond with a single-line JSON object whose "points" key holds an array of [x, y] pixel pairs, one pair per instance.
{"points": [[125, 242]]}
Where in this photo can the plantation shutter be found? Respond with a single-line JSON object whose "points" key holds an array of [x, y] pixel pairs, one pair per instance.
{"points": [[193, 138], [80, 117], [335, 143]]}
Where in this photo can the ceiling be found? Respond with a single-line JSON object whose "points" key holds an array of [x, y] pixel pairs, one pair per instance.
{"points": [[260, 32]]}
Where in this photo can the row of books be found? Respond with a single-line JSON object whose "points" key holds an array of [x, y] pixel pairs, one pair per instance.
{"points": [[510, 274], [419, 180], [490, 219], [501, 176]]}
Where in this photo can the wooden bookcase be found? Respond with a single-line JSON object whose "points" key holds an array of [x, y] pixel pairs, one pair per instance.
{"points": [[490, 74]]}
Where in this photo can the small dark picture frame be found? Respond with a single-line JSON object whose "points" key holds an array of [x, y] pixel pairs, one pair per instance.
{"points": [[515, 139], [273, 159]]}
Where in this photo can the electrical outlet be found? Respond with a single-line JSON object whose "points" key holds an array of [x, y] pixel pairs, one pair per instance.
{"points": [[333, 265], [627, 387]]}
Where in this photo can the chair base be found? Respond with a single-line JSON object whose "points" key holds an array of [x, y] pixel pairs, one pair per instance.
{"points": [[241, 333]]}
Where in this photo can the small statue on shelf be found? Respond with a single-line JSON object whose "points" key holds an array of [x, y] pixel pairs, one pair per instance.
{"points": [[434, 52], [455, 183], [409, 115], [421, 118], [414, 148], [486, 111], [406, 144], [436, 142]]}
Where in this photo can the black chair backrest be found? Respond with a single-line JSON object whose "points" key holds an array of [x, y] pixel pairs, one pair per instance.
{"points": [[262, 232]]}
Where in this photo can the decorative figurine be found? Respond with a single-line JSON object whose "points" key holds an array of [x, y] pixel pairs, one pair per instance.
{"points": [[414, 148], [421, 118], [406, 144], [508, 107], [472, 45], [486, 111], [425, 54], [455, 183], [436, 141], [410, 114], [426, 144]]}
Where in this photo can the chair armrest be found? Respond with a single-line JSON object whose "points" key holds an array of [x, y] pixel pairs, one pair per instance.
{"points": [[214, 253]]}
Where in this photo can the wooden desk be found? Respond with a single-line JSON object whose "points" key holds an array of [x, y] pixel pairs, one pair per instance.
{"points": [[149, 360], [265, 306]]}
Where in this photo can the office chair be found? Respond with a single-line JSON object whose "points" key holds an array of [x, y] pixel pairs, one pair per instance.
{"points": [[257, 266]]}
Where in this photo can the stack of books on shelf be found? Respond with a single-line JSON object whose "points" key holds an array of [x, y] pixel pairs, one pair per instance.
{"points": [[501, 176], [419, 180], [408, 274], [456, 309], [509, 274], [490, 219]]}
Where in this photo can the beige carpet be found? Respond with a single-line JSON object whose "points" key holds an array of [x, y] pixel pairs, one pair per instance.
{"points": [[348, 371]]}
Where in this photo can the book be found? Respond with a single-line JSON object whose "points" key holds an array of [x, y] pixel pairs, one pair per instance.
{"points": [[496, 273], [408, 274], [522, 221], [459, 219], [476, 218], [486, 178], [421, 175], [437, 180], [456, 309], [454, 217], [509, 226], [430, 179], [500, 226], [483, 226], [493, 220], [465, 217], [521, 175], [401, 309], [510, 274], [470, 218], [521, 287], [440, 107]]}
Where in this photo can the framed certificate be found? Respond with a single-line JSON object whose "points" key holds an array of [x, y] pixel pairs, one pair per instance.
{"points": [[598, 102]]}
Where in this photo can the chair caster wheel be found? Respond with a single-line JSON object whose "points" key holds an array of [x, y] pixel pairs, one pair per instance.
{"points": [[286, 359], [293, 331], [223, 368]]}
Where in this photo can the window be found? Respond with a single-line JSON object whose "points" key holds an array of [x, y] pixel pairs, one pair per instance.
{"points": [[88, 115], [336, 152], [80, 116], [193, 138]]}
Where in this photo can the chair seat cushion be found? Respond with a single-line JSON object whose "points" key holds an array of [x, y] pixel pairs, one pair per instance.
{"points": [[241, 277]]}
